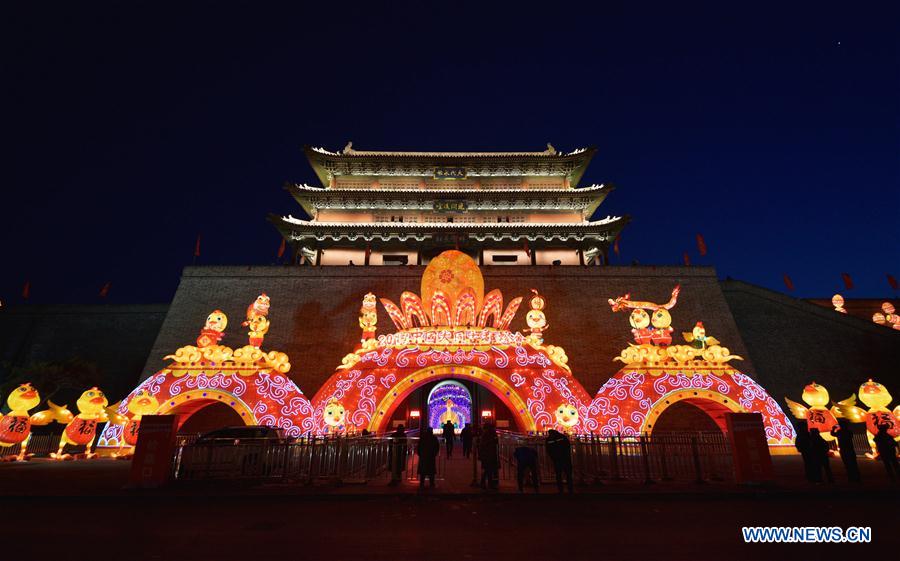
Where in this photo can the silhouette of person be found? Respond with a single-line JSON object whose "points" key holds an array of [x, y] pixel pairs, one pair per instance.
{"points": [[490, 461], [427, 450], [819, 449], [449, 436], [844, 435], [397, 457], [887, 451], [560, 451], [802, 444], [526, 461], [466, 435]]}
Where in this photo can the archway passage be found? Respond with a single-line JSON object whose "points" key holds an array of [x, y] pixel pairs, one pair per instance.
{"points": [[691, 415], [448, 401], [524, 379], [204, 416]]}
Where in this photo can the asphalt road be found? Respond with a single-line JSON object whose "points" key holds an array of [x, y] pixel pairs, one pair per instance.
{"points": [[77, 510]]}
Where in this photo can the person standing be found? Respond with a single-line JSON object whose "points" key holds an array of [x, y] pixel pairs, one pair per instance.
{"points": [[397, 456], [466, 435], [819, 450], [490, 461], [427, 450], [887, 451], [560, 451], [526, 461], [802, 444], [844, 435], [449, 437]]}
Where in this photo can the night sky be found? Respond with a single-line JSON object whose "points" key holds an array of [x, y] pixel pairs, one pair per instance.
{"points": [[129, 128]]}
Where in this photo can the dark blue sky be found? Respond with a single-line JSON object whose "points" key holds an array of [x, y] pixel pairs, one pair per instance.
{"points": [[772, 130]]}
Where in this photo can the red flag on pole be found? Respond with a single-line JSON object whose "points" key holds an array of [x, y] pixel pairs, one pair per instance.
{"points": [[197, 247], [26, 290], [527, 249], [848, 282], [281, 248], [616, 245], [105, 290], [788, 282], [687, 259], [701, 244], [892, 281]]}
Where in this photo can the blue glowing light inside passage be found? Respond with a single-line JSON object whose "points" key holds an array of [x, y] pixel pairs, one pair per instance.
{"points": [[460, 405]]}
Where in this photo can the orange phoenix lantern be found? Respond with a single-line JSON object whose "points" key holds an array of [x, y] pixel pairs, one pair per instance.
{"points": [[817, 415]]}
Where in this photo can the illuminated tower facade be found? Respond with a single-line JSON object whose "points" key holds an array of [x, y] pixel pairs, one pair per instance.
{"points": [[404, 208]]}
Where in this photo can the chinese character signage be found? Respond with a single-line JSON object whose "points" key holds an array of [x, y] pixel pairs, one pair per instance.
{"points": [[747, 435], [152, 463], [450, 206], [447, 172]]}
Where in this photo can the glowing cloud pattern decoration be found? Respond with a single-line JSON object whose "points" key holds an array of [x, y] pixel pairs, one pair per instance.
{"points": [[457, 332]]}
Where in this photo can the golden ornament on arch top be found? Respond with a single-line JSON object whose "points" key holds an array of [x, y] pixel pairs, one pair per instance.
{"points": [[452, 272]]}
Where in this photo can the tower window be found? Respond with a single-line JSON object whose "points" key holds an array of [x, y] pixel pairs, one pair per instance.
{"points": [[504, 258]]}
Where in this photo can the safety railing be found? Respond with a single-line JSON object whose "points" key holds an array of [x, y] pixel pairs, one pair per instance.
{"points": [[41, 446], [304, 460], [695, 456]]}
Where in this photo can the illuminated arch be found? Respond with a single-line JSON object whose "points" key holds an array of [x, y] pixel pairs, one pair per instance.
{"points": [[629, 403], [261, 396], [528, 380], [497, 386]]}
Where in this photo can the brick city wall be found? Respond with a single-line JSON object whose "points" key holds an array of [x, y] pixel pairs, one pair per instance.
{"points": [[793, 342], [116, 340], [315, 310]]}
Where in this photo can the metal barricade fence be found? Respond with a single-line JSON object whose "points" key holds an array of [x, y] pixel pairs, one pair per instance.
{"points": [[346, 459], [695, 456], [40, 445]]}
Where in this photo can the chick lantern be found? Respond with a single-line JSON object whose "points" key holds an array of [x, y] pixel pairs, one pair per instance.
{"points": [[817, 415], [15, 426], [257, 320], [647, 314], [536, 320], [214, 329], [877, 398], [368, 317], [80, 429]]}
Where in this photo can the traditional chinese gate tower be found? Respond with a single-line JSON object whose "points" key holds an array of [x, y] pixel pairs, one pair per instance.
{"points": [[502, 208]]}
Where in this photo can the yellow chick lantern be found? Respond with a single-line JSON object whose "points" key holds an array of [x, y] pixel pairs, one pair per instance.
{"points": [[658, 315], [368, 317], [698, 337], [640, 323], [817, 415], [877, 398], [214, 329], [257, 319], [80, 429], [536, 320], [15, 426], [142, 403]]}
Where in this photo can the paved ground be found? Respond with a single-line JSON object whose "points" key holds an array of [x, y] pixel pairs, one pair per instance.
{"points": [[613, 521]]}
